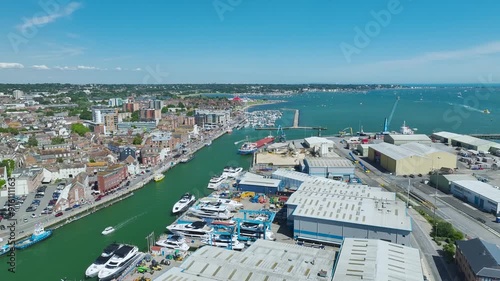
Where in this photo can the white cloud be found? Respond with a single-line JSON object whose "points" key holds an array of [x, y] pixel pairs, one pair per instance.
{"points": [[84, 67], [41, 67], [65, 67], [118, 68], [5, 65], [490, 48], [48, 18], [138, 69]]}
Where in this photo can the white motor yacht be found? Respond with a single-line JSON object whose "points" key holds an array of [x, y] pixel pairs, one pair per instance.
{"points": [[121, 259], [184, 203], [231, 205], [99, 263], [194, 229], [223, 240], [216, 181], [232, 172], [108, 230], [212, 211], [174, 242]]}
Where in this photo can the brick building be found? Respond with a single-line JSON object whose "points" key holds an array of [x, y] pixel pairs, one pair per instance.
{"points": [[111, 178]]}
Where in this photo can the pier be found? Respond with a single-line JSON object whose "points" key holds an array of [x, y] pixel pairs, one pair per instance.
{"points": [[296, 119], [486, 136]]}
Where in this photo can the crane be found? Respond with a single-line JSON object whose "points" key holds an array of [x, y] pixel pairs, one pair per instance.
{"points": [[388, 120], [343, 131], [280, 135]]}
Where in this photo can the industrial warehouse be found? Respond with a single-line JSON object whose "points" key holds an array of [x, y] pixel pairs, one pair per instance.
{"points": [[467, 142], [410, 158], [480, 194]]}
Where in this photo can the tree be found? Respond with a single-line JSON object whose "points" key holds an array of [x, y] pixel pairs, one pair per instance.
{"points": [[164, 109], [10, 164], [60, 160], [190, 113], [80, 129], [32, 141], [134, 117], [86, 115], [137, 139], [2, 183], [49, 113], [181, 105], [57, 140]]}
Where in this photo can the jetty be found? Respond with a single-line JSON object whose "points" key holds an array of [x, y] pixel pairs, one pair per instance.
{"points": [[296, 119]]}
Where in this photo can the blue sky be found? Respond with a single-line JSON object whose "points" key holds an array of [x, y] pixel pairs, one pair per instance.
{"points": [[249, 41]]}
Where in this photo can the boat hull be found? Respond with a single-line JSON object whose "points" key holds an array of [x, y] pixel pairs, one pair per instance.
{"points": [[180, 208], [119, 271], [28, 242]]}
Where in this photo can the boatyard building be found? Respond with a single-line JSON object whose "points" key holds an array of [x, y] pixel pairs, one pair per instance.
{"points": [[399, 139], [411, 158], [329, 167], [377, 260], [259, 184], [480, 194]]}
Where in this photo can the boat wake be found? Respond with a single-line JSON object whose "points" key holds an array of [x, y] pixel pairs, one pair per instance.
{"points": [[466, 107], [128, 221]]}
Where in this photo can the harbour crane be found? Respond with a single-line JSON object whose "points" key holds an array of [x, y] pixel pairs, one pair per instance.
{"points": [[387, 121], [280, 134], [343, 131]]}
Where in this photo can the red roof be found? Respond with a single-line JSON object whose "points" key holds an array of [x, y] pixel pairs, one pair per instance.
{"points": [[264, 141]]}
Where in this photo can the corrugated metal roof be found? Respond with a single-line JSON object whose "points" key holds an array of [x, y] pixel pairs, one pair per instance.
{"points": [[338, 162], [377, 260], [481, 188], [393, 151], [409, 138]]}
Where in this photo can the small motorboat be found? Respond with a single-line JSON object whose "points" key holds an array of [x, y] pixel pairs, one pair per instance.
{"points": [[108, 230]]}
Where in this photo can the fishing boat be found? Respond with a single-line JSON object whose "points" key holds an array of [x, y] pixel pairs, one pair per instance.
{"points": [[38, 235], [108, 230], [184, 203], [121, 259], [99, 263], [159, 177], [251, 147], [216, 181], [5, 249], [174, 242], [194, 229]]}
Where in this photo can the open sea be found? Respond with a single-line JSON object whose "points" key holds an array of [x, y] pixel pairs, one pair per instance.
{"points": [[73, 248]]}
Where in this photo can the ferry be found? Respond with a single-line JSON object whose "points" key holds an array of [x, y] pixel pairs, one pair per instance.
{"points": [[251, 147], [38, 235], [159, 177], [99, 263]]}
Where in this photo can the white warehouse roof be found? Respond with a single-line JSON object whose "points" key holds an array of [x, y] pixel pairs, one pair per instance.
{"points": [[481, 188], [264, 260], [393, 151], [415, 137], [312, 141], [329, 162], [377, 260], [363, 211], [261, 182], [294, 175], [446, 135], [360, 191]]}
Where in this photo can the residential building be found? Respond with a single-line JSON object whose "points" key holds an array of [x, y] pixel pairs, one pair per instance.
{"points": [[126, 152], [113, 102], [150, 114], [112, 177], [131, 106], [156, 104], [478, 260]]}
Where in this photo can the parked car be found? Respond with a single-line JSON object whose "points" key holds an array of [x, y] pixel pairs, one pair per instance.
{"points": [[58, 214], [33, 215]]}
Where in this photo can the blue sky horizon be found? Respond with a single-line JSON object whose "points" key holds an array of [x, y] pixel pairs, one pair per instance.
{"points": [[250, 42]]}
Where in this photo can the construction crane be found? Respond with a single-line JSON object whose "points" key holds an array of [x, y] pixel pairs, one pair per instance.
{"points": [[387, 121], [343, 131]]}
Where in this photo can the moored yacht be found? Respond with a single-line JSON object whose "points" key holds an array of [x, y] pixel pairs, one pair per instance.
{"points": [[99, 263], [194, 229], [231, 205], [212, 211], [223, 240], [5, 249], [184, 203], [216, 181], [174, 242], [232, 172], [121, 259]]}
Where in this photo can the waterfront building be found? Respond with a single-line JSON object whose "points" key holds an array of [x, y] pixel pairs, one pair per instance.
{"points": [[263, 260], [399, 139], [329, 167], [410, 158], [465, 141], [111, 178], [125, 126], [27, 180], [377, 260], [259, 184], [478, 260], [215, 117], [482, 195]]}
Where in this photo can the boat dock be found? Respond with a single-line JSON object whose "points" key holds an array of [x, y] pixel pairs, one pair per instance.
{"points": [[296, 119]]}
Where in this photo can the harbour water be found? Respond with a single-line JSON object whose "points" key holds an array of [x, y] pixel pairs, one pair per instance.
{"points": [[72, 248]]}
